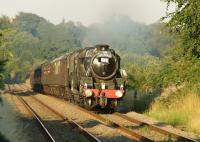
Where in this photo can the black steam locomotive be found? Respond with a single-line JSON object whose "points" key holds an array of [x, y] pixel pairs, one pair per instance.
{"points": [[91, 76]]}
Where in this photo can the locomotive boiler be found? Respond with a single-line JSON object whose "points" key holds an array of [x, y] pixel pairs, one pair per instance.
{"points": [[91, 77]]}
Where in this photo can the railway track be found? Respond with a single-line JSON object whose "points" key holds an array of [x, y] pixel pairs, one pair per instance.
{"points": [[130, 133], [123, 129], [155, 128], [133, 135], [38, 120], [47, 133], [75, 126]]}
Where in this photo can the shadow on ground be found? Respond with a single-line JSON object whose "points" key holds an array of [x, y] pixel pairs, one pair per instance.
{"points": [[138, 102]]}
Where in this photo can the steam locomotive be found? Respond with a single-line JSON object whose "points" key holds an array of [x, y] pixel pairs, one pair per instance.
{"points": [[91, 77]]}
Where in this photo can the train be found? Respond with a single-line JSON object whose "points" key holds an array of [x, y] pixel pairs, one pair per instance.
{"points": [[91, 77]]}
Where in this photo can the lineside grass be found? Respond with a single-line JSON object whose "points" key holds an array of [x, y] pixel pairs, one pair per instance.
{"points": [[179, 108]]}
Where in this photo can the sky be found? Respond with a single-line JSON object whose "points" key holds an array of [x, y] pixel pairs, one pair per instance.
{"points": [[86, 11]]}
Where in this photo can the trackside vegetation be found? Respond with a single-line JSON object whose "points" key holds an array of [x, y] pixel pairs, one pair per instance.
{"points": [[179, 104], [179, 107]]}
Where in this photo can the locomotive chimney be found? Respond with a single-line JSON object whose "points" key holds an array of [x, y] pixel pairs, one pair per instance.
{"points": [[102, 47]]}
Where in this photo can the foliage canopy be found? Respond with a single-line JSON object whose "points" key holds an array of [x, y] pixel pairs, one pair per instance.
{"points": [[184, 22]]}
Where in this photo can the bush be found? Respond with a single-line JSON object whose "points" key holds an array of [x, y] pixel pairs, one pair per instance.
{"points": [[179, 107]]}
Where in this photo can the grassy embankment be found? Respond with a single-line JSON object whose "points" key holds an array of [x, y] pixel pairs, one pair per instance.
{"points": [[179, 107]]}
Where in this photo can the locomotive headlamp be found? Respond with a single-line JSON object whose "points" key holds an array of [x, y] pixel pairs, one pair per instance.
{"points": [[119, 94], [103, 86], [85, 85], [88, 93], [121, 86]]}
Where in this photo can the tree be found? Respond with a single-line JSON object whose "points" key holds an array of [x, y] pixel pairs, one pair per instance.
{"points": [[5, 22], [23, 46], [27, 22], [2, 62], [185, 23]]}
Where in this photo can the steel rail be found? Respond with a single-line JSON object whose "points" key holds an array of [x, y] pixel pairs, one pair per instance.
{"points": [[142, 123], [37, 118], [81, 130], [90, 136], [87, 134], [131, 133], [155, 128], [135, 121], [123, 129]]}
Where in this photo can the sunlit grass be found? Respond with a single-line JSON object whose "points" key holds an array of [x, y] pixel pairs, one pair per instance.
{"points": [[181, 108]]}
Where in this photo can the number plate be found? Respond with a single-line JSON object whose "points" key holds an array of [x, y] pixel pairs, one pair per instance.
{"points": [[104, 60]]}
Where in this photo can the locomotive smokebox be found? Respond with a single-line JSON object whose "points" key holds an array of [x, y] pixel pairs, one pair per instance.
{"points": [[104, 64]]}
